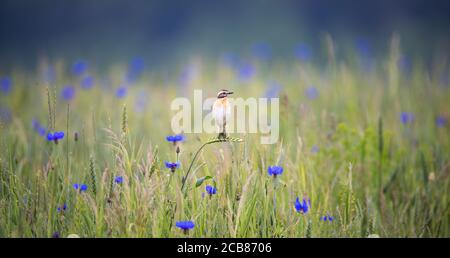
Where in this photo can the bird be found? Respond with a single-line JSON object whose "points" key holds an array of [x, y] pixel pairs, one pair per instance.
{"points": [[221, 112]]}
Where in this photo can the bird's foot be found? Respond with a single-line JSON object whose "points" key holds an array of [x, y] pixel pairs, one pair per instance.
{"points": [[222, 136]]}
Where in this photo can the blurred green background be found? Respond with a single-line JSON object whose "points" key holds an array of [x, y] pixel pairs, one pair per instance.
{"points": [[168, 32]]}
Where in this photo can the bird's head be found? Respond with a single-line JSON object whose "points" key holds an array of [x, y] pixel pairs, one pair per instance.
{"points": [[223, 94]]}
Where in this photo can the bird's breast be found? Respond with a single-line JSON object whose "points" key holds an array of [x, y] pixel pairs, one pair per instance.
{"points": [[221, 110]]}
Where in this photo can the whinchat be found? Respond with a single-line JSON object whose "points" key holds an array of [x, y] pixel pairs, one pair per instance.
{"points": [[222, 111]]}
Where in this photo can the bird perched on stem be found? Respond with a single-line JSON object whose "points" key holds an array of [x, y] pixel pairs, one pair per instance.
{"points": [[222, 112]]}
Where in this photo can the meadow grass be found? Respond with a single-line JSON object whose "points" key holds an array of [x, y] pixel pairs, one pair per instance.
{"points": [[346, 150]]}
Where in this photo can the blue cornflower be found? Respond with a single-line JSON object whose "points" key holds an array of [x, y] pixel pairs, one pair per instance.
{"points": [[303, 206], [315, 149], [327, 218], [121, 92], [211, 190], [172, 165], [135, 69], [56, 136], [185, 225], [68, 92], [406, 117], [176, 138], [81, 188], [87, 82], [363, 47], [274, 171], [303, 52], [246, 71], [441, 121], [311, 92], [63, 208], [118, 179], [137, 64], [79, 67], [5, 85], [42, 131], [38, 128]]}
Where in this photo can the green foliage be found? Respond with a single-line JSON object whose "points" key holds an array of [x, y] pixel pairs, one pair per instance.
{"points": [[201, 180], [373, 174]]}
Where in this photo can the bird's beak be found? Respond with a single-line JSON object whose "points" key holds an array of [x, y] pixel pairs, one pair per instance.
{"points": [[230, 92]]}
